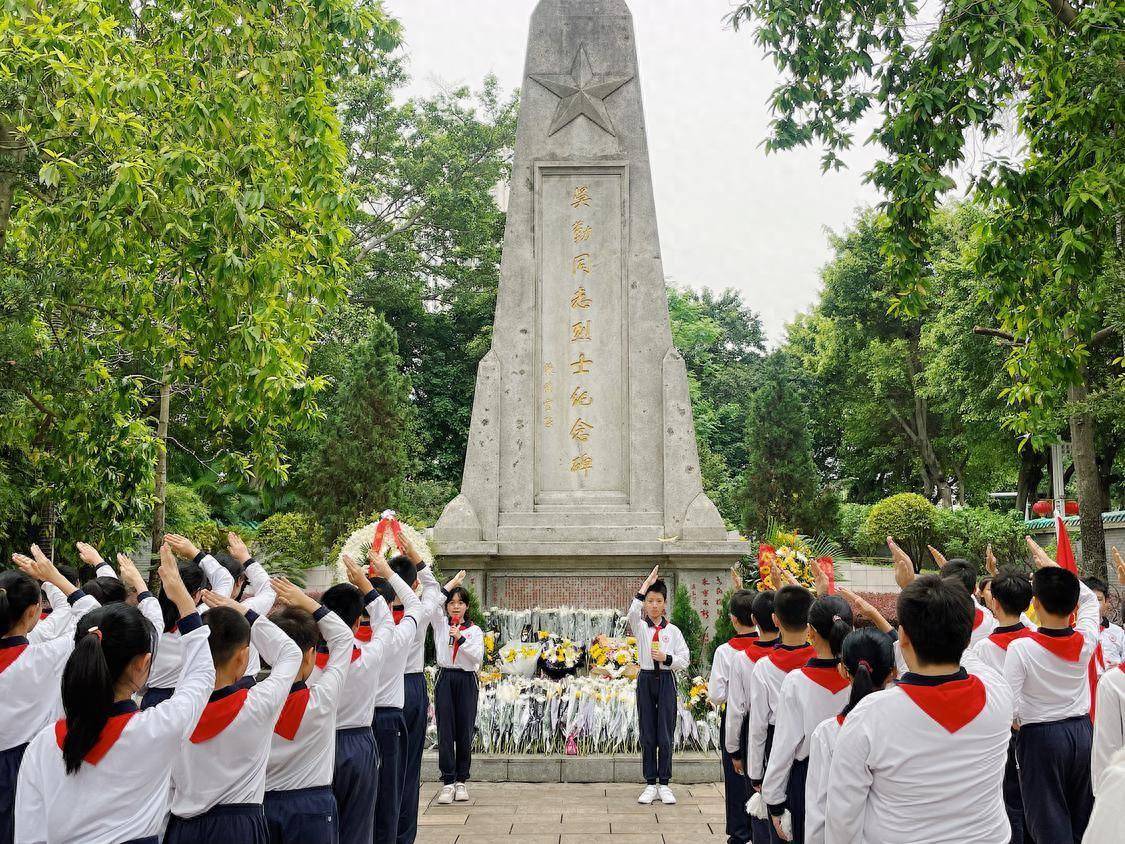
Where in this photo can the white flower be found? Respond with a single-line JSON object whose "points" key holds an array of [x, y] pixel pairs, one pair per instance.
{"points": [[356, 543]]}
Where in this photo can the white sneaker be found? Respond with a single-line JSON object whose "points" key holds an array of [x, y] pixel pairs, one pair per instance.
{"points": [[648, 795], [446, 795], [460, 793], [666, 795]]}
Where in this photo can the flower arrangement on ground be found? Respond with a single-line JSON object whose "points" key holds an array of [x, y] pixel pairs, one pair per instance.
{"points": [[698, 699], [519, 658], [799, 555], [559, 657], [384, 535], [613, 657]]}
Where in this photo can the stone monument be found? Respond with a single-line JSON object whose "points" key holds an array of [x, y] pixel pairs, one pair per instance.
{"points": [[582, 470]]}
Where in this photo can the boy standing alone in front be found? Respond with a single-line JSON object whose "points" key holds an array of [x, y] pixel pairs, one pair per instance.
{"points": [[661, 649]]}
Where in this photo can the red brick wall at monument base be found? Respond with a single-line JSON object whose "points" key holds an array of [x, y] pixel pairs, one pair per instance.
{"points": [[521, 592]]}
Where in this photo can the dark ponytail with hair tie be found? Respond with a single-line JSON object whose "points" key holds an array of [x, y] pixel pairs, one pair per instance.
{"points": [[107, 640], [868, 655], [18, 591], [831, 617]]}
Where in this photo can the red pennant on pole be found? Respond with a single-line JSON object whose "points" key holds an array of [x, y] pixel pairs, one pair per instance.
{"points": [[1065, 555]]}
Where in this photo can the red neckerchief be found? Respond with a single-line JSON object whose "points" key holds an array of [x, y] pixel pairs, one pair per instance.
{"points": [[825, 676], [289, 721], [953, 703], [788, 659], [978, 618], [1067, 647], [10, 649], [463, 626], [322, 656], [110, 733], [743, 641], [760, 649], [221, 711], [43, 614], [363, 634], [840, 720], [1004, 638], [397, 613]]}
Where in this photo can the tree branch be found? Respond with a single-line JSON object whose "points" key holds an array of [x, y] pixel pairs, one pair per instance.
{"points": [[1066, 13]]}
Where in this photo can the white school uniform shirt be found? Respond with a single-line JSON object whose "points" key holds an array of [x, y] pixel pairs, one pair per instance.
{"points": [[306, 760], [993, 649], [719, 680], [1109, 723], [125, 795], [765, 691], [231, 766], [357, 698], [30, 687], [166, 660], [898, 776], [432, 600], [470, 645], [1046, 687], [1105, 821], [261, 602], [984, 622], [822, 744], [808, 695], [146, 601], [389, 689], [741, 672], [1113, 644], [675, 649]]}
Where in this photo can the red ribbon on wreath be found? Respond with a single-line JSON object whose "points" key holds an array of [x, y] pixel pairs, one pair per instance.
{"points": [[825, 564], [380, 532]]}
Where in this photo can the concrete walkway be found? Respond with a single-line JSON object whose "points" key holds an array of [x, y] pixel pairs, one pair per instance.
{"points": [[571, 814]]}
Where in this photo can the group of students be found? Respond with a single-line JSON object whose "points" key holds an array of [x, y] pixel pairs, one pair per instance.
{"points": [[161, 730], [969, 723]]}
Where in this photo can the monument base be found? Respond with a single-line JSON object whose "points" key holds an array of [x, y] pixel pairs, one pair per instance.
{"points": [[688, 768]]}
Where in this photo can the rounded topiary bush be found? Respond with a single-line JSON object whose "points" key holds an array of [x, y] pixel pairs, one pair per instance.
{"points": [[291, 543], [908, 517]]}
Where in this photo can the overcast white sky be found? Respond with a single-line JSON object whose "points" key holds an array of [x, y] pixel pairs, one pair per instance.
{"points": [[729, 215]]}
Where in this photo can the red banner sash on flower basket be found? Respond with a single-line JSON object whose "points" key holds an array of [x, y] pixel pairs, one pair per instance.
{"points": [[766, 556], [829, 570], [380, 533]]}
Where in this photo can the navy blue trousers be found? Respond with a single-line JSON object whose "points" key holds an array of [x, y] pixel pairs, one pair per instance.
{"points": [[154, 696], [795, 799], [231, 823], [389, 728], [656, 718], [415, 712], [354, 783], [735, 787], [1013, 798], [455, 706], [1054, 765], [761, 832], [302, 816], [9, 771]]}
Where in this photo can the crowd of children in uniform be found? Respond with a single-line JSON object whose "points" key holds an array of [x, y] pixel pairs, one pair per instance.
{"points": [[128, 718], [968, 723]]}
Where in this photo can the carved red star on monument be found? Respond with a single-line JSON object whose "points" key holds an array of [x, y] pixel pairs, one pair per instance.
{"points": [[581, 92]]}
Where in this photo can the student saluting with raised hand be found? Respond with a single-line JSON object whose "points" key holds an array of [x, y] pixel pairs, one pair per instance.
{"points": [[102, 774], [32, 655]]}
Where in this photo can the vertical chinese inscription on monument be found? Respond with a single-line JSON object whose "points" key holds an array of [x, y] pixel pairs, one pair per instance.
{"points": [[581, 441]]}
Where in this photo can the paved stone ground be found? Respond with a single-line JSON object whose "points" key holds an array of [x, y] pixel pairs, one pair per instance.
{"points": [[558, 813]]}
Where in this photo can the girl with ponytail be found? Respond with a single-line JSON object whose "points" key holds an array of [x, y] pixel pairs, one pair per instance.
{"points": [[868, 661], [808, 696], [102, 774], [32, 655]]}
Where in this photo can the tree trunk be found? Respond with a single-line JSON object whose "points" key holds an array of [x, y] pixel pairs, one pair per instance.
{"points": [[1089, 482], [45, 537], [1031, 473], [161, 470], [9, 162]]}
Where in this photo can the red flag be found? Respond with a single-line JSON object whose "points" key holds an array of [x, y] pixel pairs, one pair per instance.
{"points": [[1065, 555]]}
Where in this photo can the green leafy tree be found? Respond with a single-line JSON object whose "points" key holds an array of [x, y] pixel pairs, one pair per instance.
{"points": [[290, 543], [685, 617], [909, 518], [1051, 246], [724, 629], [358, 465]]}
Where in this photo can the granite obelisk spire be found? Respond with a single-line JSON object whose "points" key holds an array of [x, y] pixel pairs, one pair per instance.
{"points": [[582, 441]]}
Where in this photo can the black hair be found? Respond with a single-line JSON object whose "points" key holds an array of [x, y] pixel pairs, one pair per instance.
{"points": [[458, 592], [230, 633], [299, 625], [404, 567], [791, 606], [18, 591], [937, 614], [659, 586], [85, 572], [105, 590], [344, 600], [742, 607], [762, 610], [69, 572], [984, 581], [1096, 584], [236, 570], [1012, 591], [384, 588], [831, 617], [193, 577], [964, 571], [869, 656], [1057, 589], [106, 640]]}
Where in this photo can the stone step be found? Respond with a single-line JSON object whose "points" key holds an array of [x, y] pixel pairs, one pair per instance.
{"points": [[556, 516], [574, 533], [688, 767]]}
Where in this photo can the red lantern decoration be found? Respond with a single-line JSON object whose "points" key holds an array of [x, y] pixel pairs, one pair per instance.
{"points": [[1071, 508], [1043, 507]]}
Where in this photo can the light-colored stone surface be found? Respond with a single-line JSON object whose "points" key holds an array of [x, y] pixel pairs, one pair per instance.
{"points": [[579, 813], [582, 429], [689, 770]]}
